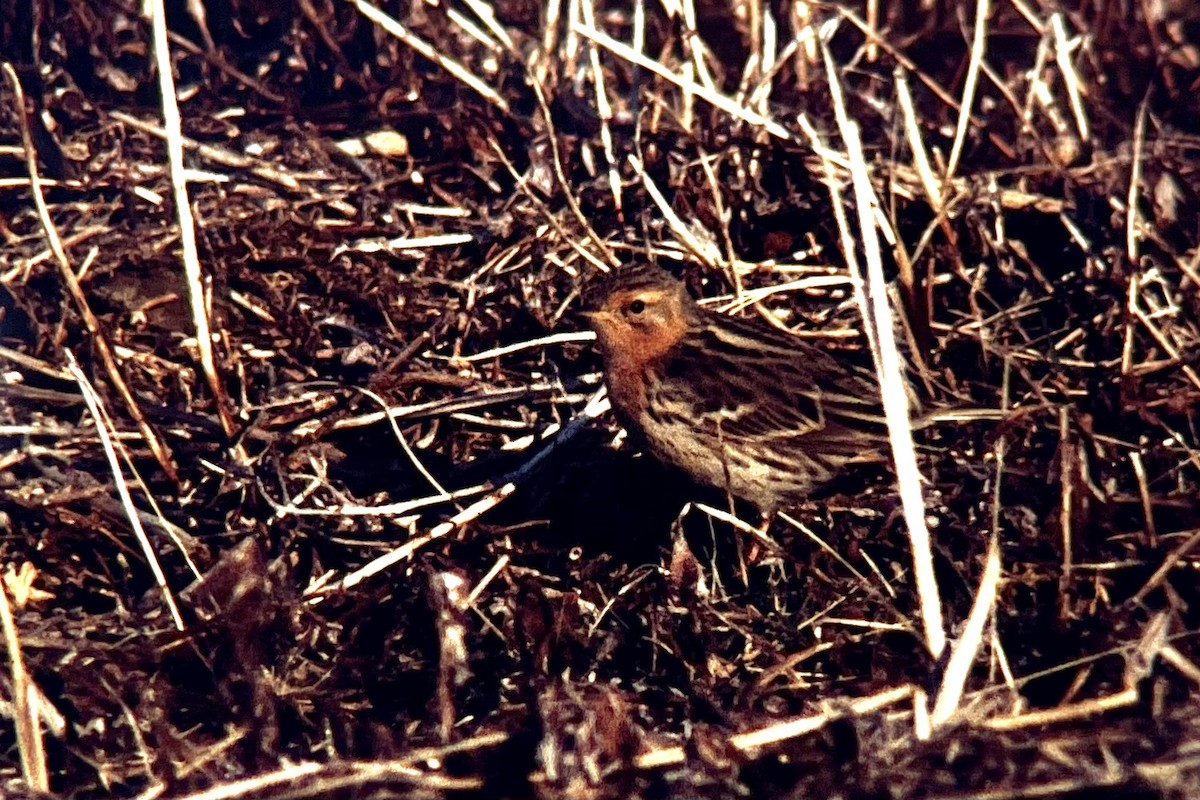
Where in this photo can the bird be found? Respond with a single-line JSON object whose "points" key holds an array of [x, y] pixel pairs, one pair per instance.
{"points": [[735, 403]]}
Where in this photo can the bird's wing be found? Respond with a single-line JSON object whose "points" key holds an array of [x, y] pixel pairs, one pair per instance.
{"points": [[759, 385]]}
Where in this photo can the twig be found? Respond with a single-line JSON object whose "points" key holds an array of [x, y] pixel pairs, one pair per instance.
{"points": [[1139, 472], [217, 155], [1066, 510], [877, 317], [597, 406], [978, 48], [1132, 214], [707, 252], [26, 703], [603, 110], [783, 731], [710, 96], [1062, 55], [161, 452], [1173, 560], [966, 650], [452, 67], [317, 594], [102, 429], [529, 344], [193, 274]]}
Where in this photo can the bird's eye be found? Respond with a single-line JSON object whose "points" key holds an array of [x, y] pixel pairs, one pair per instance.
{"points": [[637, 306]]}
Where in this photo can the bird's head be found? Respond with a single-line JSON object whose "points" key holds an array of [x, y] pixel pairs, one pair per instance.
{"points": [[639, 313]]}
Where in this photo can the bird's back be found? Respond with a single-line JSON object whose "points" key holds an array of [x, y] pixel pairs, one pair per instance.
{"points": [[756, 411]]}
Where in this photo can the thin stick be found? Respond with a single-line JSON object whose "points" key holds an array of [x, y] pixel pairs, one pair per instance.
{"points": [[595, 407], [25, 703], [783, 731], [877, 317], [1139, 472], [529, 344], [219, 155], [707, 251], [1132, 217], [705, 93], [978, 48], [1173, 560], [135, 522], [1075, 711], [409, 548], [345, 777], [452, 67], [930, 184], [603, 109], [193, 275], [966, 649], [161, 452], [1063, 47], [1066, 509]]}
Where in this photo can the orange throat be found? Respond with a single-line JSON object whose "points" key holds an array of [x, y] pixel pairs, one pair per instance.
{"points": [[627, 379]]}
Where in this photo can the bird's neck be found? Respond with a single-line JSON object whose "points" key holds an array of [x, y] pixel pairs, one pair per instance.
{"points": [[628, 375]]}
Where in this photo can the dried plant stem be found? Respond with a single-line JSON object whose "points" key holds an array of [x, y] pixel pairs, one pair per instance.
{"points": [[161, 452], [978, 48], [872, 295], [193, 275], [103, 426], [790, 729], [26, 701], [452, 67]]}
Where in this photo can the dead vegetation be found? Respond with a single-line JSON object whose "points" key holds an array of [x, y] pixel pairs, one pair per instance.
{"points": [[377, 537]]}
